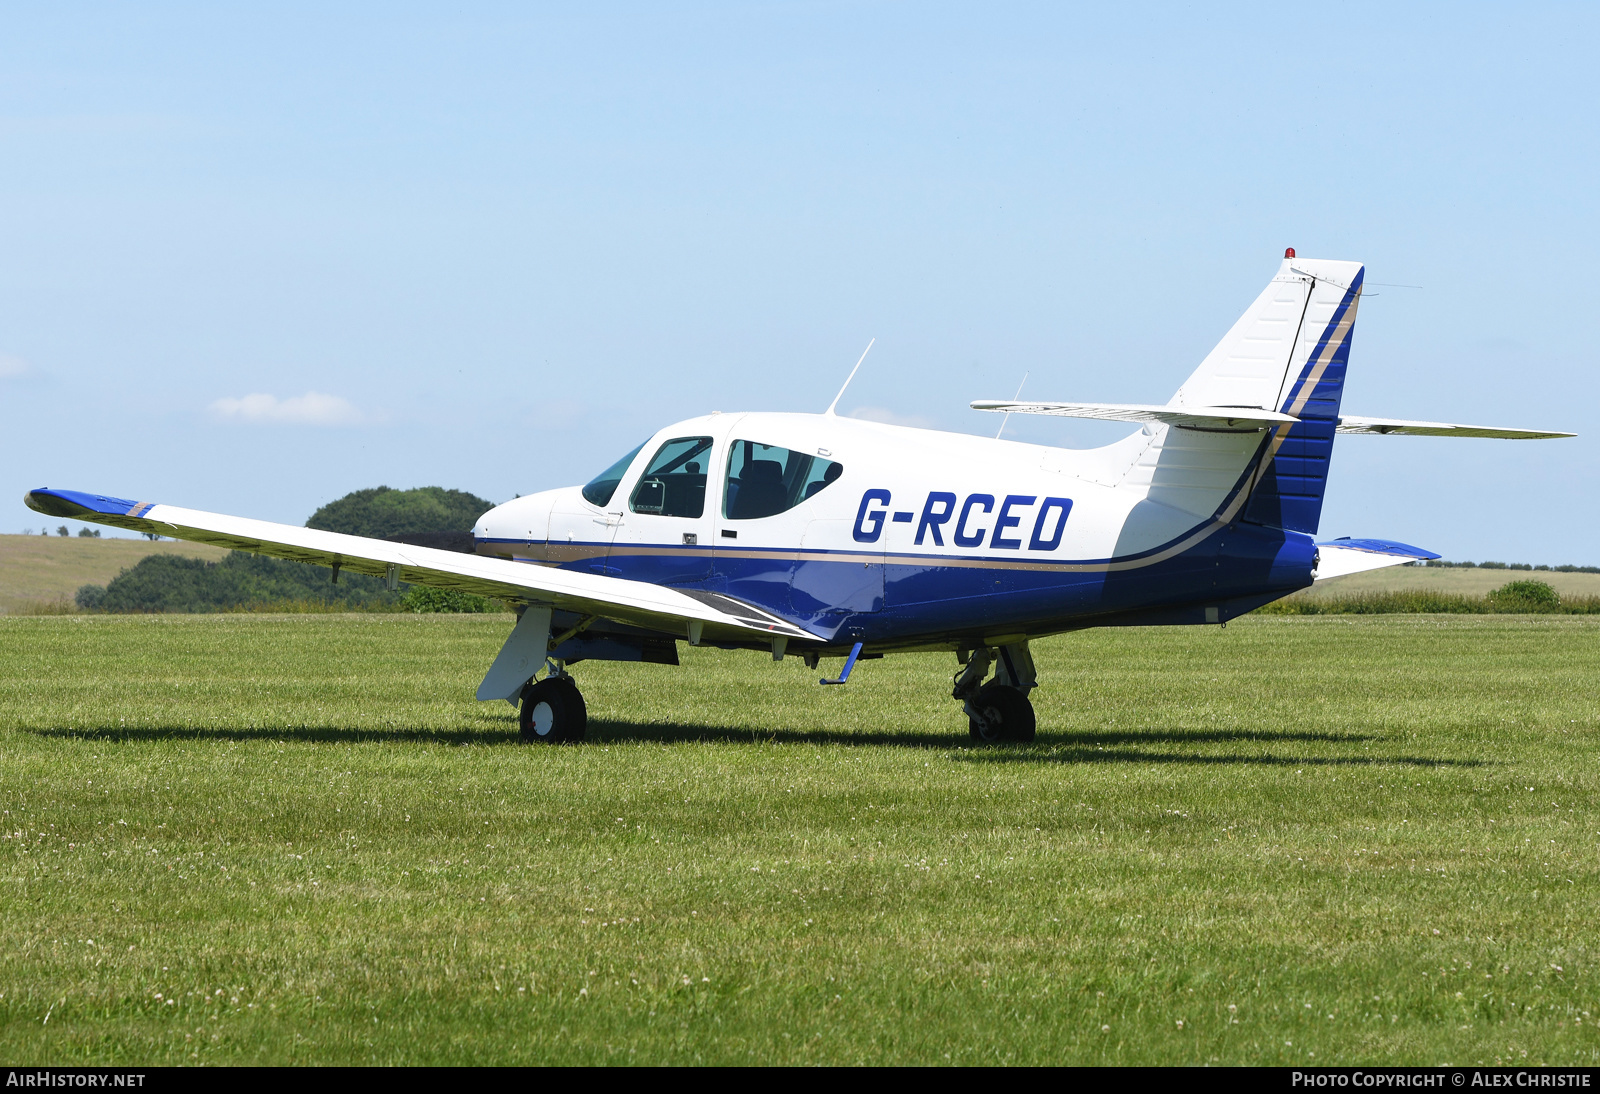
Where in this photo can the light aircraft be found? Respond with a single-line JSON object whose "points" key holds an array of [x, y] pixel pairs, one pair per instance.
{"points": [[821, 536]]}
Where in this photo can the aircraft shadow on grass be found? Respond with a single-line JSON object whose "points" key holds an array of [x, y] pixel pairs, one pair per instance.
{"points": [[1139, 756], [1092, 747], [493, 735]]}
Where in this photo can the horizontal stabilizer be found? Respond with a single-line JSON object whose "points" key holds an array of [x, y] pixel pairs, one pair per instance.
{"points": [[1386, 426], [1342, 557], [654, 607], [1230, 419]]}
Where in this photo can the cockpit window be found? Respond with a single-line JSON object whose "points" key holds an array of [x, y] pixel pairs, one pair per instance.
{"points": [[674, 485], [764, 479], [603, 485]]}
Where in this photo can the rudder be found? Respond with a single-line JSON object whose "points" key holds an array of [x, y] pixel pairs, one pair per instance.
{"points": [[1293, 474]]}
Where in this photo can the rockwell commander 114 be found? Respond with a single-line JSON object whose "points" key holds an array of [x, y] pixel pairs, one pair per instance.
{"points": [[819, 536]]}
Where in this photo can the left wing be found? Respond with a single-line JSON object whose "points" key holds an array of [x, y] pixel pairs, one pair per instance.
{"points": [[637, 602]]}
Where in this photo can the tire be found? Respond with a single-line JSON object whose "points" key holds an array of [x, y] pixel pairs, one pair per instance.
{"points": [[1002, 715], [553, 711]]}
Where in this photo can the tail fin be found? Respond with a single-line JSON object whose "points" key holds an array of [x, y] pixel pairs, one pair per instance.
{"points": [[1287, 353]]}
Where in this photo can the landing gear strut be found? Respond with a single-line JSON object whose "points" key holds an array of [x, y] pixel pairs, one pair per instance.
{"points": [[999, 711], [552, 710]]}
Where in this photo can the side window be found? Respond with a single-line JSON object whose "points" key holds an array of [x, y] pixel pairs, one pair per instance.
{"points": [[764, 479], [674, 485]]}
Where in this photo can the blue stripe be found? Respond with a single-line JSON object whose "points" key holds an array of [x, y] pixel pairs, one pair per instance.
{"points": [[70, 503], [913, 598]]}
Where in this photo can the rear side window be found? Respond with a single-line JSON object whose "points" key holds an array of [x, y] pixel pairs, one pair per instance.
{"points": [[764, 479], [674, 485], [603, 485]]}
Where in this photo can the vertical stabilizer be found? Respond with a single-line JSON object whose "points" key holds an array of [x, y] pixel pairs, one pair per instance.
{"points": [[1287, 353], [1294, 472], [1248, 366]]}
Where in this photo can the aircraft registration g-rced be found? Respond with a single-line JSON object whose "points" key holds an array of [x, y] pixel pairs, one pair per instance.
{"points": [[822, 536]]}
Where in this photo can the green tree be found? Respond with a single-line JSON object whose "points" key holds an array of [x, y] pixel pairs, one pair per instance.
{"points": [[173, 583], [381, 512], [423, 599], [1525, 596]]}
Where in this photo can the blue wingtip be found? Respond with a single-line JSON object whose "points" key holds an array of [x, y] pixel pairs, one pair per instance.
{"points": [[75, 503], [1384, 547]]}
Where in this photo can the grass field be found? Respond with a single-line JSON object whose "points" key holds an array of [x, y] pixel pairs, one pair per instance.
{"points": [[1294, 840], [39, 572]]}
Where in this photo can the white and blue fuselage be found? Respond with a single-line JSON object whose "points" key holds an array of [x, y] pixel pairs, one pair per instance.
{"points": [[921, 538]]}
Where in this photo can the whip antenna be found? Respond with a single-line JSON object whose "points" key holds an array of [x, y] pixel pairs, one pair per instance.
{"points": [[852, 376], [1014, 398]]}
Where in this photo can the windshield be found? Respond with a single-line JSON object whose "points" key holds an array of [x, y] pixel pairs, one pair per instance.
{"points": [[603, 485]]}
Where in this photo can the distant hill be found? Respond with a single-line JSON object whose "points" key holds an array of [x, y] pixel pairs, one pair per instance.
{"points": [[37, 572], [1475, 581]]}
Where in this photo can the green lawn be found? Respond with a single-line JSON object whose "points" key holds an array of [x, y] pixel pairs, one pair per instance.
{"points": [[1301, 839]]}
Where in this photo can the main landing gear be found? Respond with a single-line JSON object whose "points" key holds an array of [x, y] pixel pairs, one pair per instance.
{"points": [[998, 712], [553, 710]]}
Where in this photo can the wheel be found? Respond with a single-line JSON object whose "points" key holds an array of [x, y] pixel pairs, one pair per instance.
{"points": [[1001, 714], [553, 710]]}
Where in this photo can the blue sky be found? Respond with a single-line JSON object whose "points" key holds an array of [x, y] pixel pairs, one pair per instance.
{"points": [[492, 248]]}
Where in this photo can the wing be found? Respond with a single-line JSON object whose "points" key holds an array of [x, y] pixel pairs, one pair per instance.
{"points": [[1388, 426], [1353, 556], [1228, 418], [637, 602]]}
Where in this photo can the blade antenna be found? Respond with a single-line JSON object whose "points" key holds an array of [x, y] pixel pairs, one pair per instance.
{"points": [[1014, 398], [852, 376]]}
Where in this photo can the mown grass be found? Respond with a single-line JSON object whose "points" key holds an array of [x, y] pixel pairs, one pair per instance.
{"points": [[298, 839]]}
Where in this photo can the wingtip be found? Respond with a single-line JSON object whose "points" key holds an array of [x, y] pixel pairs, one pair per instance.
{"points": [[80, 505]]}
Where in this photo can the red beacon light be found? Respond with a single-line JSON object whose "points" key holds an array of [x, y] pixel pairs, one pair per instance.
{"points": [[1288, 252]]}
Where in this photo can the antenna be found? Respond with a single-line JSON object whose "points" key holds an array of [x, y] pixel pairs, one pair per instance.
{"points": [[1014, 398], [852, 376]]}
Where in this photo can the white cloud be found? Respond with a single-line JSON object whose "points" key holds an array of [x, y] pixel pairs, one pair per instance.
{"points": [[312, 408], [12, 367], [889, 417]]}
